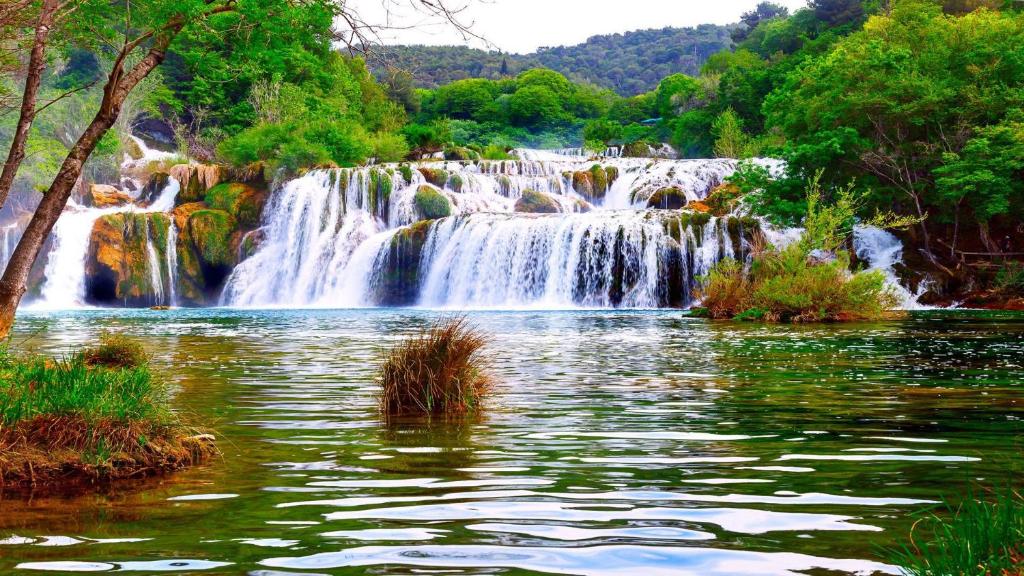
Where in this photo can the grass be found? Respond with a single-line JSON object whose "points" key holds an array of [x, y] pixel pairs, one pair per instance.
{"points": [[97, 414], [974, 538], [440, 371]]}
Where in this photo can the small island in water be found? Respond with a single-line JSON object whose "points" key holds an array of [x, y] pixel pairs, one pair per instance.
{"points": [[285, 291]]}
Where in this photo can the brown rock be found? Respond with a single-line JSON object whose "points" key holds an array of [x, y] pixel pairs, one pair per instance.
{"points": [[105, 196]]}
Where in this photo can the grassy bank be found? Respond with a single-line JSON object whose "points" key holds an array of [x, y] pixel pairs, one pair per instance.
{"points": [[96, 415], [978, 537]]}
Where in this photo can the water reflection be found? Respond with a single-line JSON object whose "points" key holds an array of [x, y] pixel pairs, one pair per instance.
{"points": [[616, 443]]}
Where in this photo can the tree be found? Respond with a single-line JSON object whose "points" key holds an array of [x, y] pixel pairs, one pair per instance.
{"points": [[47, 18], [900, 98], [763, 12], [676, 94], [534, 106], [730, 141], [141, 40]]}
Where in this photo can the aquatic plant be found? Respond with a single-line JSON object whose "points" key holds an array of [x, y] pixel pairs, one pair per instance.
{"points": [[116, 351], [77, 419], [976, 537], [440, 371]]}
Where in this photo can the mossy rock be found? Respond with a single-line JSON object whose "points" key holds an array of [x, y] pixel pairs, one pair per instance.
{"points": [[210, 233], [583, 184], [379, 188], [671, 198], [723, 199], [406, 171], [117, 266], [436, 176], [636, 150], [600, 179], [243, 202], [400, 281], [534, 202], [431, 203]]}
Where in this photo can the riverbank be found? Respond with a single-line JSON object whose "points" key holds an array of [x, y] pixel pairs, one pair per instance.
{"points": [[93, 417]]}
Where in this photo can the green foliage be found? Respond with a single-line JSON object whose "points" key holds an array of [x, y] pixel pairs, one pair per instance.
{"points": [[730, 140], [975, 537], [1009, 277]]}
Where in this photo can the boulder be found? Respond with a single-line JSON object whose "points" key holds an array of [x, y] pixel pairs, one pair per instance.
{"points": [[154, 186], [117, 265], [196, 180], [431, 203], [104, 196], [671, 198], [436, 176], [400, 281], [534, 202]]}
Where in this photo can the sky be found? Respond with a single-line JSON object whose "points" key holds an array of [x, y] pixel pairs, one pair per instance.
{"points": [[521, 26]]}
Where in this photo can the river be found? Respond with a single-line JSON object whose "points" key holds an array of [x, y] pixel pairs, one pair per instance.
{"points": [[614, 443]]}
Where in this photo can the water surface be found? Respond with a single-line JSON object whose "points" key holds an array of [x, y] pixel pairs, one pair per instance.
{"points": [[616, 443]]}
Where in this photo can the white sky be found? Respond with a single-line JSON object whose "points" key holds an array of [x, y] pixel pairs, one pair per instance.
{"points": [[524, 25]]}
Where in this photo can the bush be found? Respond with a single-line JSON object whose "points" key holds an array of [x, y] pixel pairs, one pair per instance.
{"points": [[440, 371], [389, 147], [973, 538], [116, 351], [809, 280], [1010, 277]]}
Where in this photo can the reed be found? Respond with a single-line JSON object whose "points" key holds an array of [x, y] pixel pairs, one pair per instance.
{"points": [[977, 537], [440, 371]]}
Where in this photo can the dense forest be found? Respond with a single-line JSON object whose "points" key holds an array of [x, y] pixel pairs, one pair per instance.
{"points": [[629, 64]]}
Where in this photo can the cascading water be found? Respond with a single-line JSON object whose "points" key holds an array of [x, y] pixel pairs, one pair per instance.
{"points": [[171, 254], [882, 251], [156, 280], [331, 238]]}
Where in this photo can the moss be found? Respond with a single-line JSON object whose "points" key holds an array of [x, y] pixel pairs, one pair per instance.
{"points": [[459, 153], [611, 174], [636, 150], [117, 261], [379, 190], [455, 182], [399, 285], [243, 202], [600, 179], [436, 176], [406, 171], [671, 198], [534, 202], [210, 232], [432, 204], [723, 199]]}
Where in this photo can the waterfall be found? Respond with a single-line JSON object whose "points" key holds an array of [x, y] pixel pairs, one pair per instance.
{"points": [[64, 285], [592, 260], [882, 251], [165, 201], [171, 255], [9, 236], [352, 237], [156, 280]]}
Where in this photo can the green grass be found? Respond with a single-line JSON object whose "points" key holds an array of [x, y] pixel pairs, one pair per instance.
{"points": [[977, 537], [34, 386]]}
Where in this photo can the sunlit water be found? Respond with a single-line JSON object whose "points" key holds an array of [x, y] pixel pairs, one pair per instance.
{"points": [[615, 444]]}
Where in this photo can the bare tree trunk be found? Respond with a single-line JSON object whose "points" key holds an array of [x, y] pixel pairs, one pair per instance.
{"points": [[119, 85], [36, 65]]}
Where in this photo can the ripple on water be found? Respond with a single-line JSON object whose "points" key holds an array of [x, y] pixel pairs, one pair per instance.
{"points": [[618, 560]]}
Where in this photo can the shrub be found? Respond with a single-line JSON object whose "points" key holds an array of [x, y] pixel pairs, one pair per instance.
{"points": [[976, 537], [1010, 277], [116, 351], [440, 371]]}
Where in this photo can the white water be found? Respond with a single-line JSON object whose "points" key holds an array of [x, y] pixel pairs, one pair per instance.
{"points": [[171, 254], [325, 244], [64, 286], [9, 236], [156, 280], [883, 251]]}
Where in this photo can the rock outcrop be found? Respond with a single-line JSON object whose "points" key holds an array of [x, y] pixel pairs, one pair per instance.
{"points": [[105, 196], [534, 202]]}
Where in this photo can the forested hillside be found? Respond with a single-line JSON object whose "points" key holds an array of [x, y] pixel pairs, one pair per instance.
{"points": [[629, 64]]}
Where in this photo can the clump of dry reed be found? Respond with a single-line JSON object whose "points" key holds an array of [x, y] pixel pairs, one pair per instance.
{"points": [[440, 371]]}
